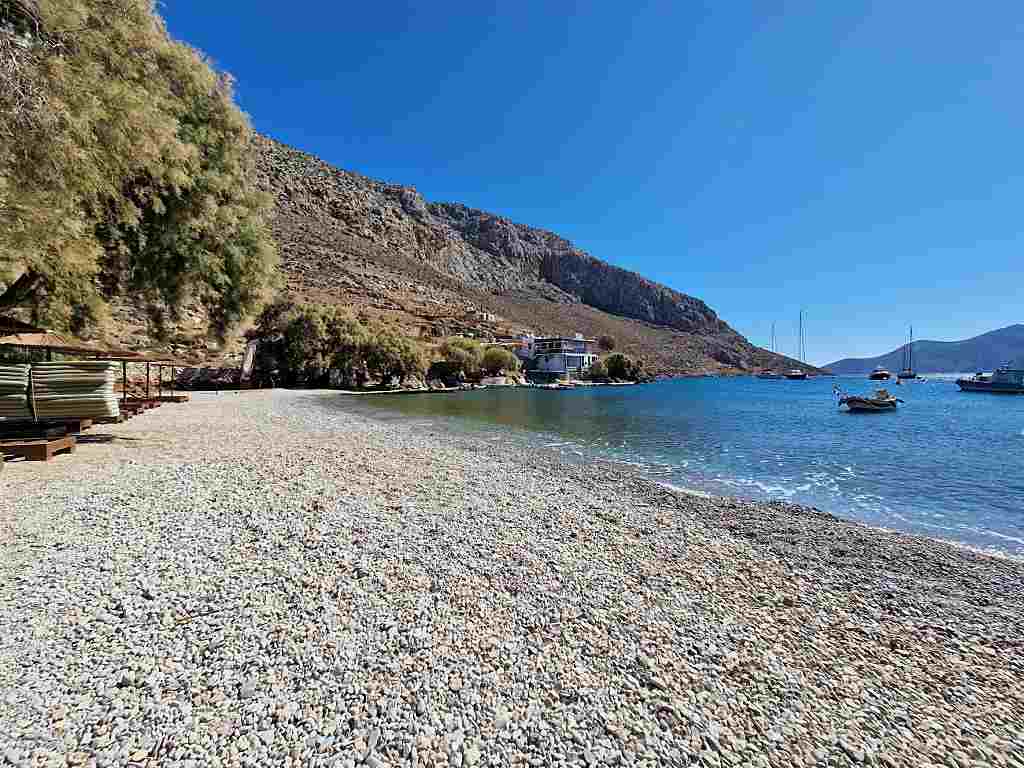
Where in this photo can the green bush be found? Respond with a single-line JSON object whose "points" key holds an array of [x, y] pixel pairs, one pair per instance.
{"points": [[499, 359]]}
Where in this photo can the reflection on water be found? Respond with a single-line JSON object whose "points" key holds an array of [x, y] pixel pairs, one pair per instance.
{"points": [[946, 464]]}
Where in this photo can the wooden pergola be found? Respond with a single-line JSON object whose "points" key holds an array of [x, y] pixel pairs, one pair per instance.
{"points": [[151, 361], [53, 342]]}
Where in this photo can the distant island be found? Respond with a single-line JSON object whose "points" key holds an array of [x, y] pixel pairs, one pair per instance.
{"points": [[981, 353]]}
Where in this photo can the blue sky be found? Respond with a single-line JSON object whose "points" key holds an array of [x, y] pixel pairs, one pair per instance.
{"points": [[862, 160]]}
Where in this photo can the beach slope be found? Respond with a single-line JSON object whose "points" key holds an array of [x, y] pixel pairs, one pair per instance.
{"points": [[265, 578]]}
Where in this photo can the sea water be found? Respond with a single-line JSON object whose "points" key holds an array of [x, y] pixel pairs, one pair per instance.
{"points": [[946, 464]]}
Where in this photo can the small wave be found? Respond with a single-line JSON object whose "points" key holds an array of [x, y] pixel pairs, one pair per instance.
{"points": [[742, 482], [687, 491], [993, 534]]}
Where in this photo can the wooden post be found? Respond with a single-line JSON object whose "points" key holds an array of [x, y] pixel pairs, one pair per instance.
{"points": [[160, 382], [147, 381], [124, 382]]}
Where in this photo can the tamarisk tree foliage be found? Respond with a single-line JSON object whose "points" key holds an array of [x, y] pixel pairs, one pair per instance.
{"points": [[310, 339], [125, 166]]}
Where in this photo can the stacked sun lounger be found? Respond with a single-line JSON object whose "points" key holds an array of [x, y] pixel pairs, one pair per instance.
{"points": [[74, 390], [14, 392]]}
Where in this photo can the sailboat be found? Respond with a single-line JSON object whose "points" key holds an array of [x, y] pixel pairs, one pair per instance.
{"points": [[770, 374], [908, 360], [797, 374]]}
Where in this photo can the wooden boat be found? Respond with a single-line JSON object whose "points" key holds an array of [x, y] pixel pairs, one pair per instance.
{"points": [[882, 400], [908, 360], [879, 374], [1004, 380]]}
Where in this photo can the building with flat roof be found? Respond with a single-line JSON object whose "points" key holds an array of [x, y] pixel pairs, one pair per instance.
{"points": [[562, 355]]}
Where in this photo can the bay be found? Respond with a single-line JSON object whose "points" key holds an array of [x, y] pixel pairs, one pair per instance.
{"points": [[947, 464]]}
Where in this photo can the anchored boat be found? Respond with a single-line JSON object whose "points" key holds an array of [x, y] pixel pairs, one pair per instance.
{"points": [[879, 374], [1004, 380], [796, 374], [908, 360], [882, 400], [770, 374]]}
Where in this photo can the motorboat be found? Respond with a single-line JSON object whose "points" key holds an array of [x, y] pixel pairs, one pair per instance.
{"points": [[769, 375], [879, 374], [1003, 380], [796, 374], [882, 400]]}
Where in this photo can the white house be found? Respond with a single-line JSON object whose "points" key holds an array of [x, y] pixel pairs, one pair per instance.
{"points": [[557, 354]]}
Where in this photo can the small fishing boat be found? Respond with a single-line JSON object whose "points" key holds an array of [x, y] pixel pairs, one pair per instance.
{"points": [[1003, 380], [796, 374], [879, 374], [882, 400]]}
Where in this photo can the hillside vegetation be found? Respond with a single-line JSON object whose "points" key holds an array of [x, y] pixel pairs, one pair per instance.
{"points": [[981, 353], [125, 169], [136, 201], [442, 268]]}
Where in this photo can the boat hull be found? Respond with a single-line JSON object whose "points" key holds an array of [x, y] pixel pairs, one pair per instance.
{"points": [[796, 376], [879, 376], [864, 405], [995, 387]]}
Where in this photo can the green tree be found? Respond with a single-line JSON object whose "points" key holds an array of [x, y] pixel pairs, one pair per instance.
{"points": [[125, 166], [598, 370], [499, 359], [463, 355], [606, 342], [621, 367], [389, 354]]}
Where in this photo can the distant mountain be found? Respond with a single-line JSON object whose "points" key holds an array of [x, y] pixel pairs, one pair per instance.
{"points": [[982, 353]]}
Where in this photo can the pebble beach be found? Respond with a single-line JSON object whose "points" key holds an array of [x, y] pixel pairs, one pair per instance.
{"points": [[266, 579]]}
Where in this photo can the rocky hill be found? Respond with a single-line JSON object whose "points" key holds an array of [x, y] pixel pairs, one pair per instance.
{"points": [[439, 268], [980, 353]]}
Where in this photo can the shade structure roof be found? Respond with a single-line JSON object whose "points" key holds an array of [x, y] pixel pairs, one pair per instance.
{"points": [[53, 341]]}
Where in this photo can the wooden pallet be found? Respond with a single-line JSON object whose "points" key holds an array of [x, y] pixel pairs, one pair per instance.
{"points": [[38, 450], [12, 433]]}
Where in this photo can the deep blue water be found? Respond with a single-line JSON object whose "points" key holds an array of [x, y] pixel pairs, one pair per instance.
{"points": [[946, 464]]}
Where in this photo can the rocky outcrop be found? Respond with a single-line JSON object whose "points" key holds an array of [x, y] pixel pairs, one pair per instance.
{"points": [[537, 255], [381, 248]]}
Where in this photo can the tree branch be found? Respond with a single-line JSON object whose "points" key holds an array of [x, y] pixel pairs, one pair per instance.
{"points": [[21, 291]]}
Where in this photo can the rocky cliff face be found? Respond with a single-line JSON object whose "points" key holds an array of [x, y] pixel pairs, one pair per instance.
{"points": [[434, 267], [537, 255]]}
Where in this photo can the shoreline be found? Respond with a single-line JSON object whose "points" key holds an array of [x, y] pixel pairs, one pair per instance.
{"points": [[273, 580]]}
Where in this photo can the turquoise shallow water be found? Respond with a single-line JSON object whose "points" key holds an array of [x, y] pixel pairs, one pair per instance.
{"points": [[947, 464]]}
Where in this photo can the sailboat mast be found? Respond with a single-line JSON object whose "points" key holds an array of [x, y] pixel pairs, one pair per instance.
{"points": [[800, 341]]}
